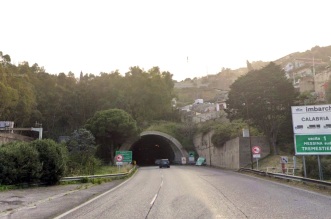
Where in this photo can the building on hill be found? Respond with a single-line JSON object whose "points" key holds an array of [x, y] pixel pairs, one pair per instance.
{"points": [[8, 133], [201, 111], [309, 75]]}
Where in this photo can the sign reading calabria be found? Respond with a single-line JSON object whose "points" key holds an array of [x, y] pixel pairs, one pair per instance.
{"points": [[312, 129]]}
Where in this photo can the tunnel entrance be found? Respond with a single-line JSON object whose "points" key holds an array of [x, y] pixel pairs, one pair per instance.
{"points": [[150, 148]]}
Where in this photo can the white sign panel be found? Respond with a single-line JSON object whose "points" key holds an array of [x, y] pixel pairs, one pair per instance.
{"points": [[283, 159], [256, 155], [311, 119]]}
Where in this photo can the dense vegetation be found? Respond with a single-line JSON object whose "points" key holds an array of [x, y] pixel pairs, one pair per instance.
{"points": [[62, 103]]}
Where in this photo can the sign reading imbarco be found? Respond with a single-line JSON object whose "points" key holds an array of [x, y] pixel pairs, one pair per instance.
{"points": [[311, 119], [312, 129]]}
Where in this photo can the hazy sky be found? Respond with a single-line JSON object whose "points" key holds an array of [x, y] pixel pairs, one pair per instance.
{"points": [[188, 38]]}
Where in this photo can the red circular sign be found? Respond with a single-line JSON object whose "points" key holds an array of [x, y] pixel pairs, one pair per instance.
{"points": [[256, 150], [119, 157]]}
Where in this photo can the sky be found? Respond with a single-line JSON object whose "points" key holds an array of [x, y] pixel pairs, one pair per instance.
{"points": [[188, 38]]}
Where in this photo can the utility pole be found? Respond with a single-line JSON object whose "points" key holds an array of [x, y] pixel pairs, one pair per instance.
{"points": [[209, 148], [249, 133], [250, 140]]}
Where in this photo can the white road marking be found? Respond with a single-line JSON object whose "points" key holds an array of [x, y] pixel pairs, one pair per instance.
{"points": [[93, 199], [152, 202]]}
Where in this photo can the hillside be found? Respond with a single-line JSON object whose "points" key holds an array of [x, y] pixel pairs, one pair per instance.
{"points": [[210, 87]]}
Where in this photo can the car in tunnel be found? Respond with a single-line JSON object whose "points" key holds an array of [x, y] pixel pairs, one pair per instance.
{"points": [[164, 163]]}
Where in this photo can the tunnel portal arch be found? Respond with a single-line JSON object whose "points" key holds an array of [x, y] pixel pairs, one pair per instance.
{"points": [[175, 152]]}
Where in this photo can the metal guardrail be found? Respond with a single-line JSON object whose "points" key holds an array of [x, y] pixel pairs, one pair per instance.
{"points": [[78, 178], [287, 177]]}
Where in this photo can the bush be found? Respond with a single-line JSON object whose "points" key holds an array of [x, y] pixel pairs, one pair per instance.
{"points": [[312, 167], [39, 161], [82, 148], [53, 157], [19, 163], [76, 168], [224, 132]]}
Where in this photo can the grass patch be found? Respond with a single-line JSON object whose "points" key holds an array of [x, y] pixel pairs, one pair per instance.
{"points": [[113, 169], [8, 187], [104, 170]]}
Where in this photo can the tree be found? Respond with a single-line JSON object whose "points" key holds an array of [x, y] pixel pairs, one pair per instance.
{"points": [[147, 95], [81, 140], [111, 128], [81, 146], [263, 98], [9, 99]]}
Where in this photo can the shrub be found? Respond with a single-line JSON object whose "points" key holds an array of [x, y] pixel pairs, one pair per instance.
{"points": [[312, 167], [82, 148], [53, 157], [19, 163]]}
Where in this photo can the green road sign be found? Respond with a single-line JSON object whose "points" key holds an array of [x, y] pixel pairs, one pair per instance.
{"points": [[127, 156], [318, 144]]}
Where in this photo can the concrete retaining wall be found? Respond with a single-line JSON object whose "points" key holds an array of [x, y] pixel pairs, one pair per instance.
{"points": [[233, 154]]}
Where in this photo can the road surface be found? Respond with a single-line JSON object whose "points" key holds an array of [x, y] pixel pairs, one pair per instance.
{"points": [[202, 192]]}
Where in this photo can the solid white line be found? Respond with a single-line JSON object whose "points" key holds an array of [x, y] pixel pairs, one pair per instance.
{"points": [[152, 202], [95, 198]]}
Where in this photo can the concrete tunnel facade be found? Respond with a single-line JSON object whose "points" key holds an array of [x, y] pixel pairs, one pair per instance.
{"points": [[154, 145]]}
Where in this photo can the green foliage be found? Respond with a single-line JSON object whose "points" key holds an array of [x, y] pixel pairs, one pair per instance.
{"points": [[312, 167], [305, 98], [62, 103], [81, 141], [82, 148], [77, 167], [19, 163], [112, 123], [9, 98], [181, 131], [147, 95], [111, 128], [258, 97], [225, 131], [53, 157], [41, 161]]}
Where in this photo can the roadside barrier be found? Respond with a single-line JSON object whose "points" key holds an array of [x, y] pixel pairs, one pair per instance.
{"points": [[78, 178], [288, 177]]}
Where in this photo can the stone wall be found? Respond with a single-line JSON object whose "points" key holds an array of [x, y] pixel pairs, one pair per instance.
{"points": [[234, 154]]}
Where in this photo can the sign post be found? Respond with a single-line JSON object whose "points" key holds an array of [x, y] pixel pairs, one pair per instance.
{"points": [[126, 156], [119, 162], [122, 157], [312, 131], [283, 161], [191, 158], [256, 151]]}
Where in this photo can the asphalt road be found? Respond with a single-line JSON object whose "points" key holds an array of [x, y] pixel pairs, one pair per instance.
{"points": [[202, 192]]}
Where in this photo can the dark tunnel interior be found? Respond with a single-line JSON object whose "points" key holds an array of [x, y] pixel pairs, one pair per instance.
{"points": [[150, 148]]}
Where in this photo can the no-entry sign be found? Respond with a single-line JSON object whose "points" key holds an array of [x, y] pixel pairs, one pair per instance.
{"points": [[119, 157], [256, 150]]}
